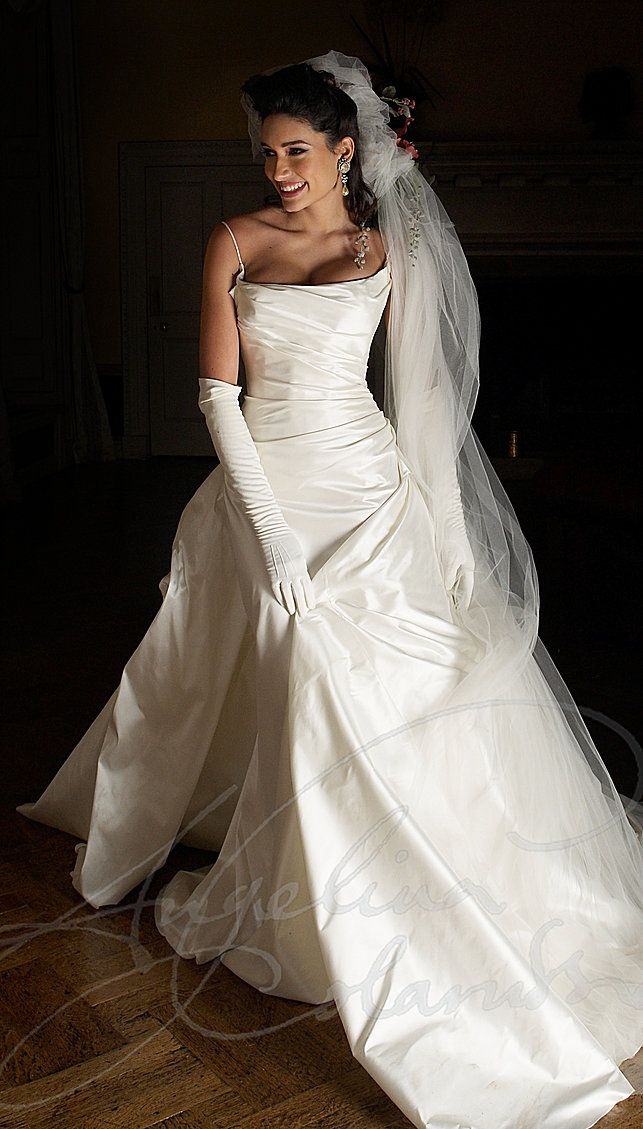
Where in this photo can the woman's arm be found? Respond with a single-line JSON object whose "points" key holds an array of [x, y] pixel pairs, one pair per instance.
{"points": [[219, 336], [245, 478]]}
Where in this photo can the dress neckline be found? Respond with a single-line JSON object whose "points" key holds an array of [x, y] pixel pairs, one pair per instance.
{"points": [[309, 285]]}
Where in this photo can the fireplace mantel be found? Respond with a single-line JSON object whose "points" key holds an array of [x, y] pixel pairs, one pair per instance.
{"points": [[554, 198]]}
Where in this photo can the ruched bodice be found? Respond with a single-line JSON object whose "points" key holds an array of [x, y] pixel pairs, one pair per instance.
{"points": [[307, 405], [315, 344]]}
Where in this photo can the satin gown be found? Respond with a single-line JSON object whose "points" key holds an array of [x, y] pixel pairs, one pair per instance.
{"points": [[351, 866]]}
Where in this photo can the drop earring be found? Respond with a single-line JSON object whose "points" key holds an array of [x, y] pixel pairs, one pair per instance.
{"points": [[344, 168]]}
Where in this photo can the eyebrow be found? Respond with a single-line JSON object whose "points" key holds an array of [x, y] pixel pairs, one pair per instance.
{"points": [[297, 141]]}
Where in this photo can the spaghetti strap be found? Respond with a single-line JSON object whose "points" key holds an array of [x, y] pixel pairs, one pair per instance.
{"points": [[235, 243]]}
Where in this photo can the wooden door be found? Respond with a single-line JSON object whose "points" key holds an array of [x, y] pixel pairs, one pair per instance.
{"points": [[182, 206]]}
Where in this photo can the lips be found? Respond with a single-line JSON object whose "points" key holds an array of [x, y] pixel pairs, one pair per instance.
{"points": [[293, 192]]}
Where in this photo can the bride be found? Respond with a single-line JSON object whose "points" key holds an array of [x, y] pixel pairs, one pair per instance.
{"points": [[343, 692]]}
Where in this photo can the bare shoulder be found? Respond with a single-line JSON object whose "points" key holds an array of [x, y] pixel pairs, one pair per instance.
{"points": [[270, 215], [250, 224], [221, 262], [260, 224], [221, 254], [250, 229]]}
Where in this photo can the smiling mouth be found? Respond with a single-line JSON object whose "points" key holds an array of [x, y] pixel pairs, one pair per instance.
{"points": [[292, 190]]}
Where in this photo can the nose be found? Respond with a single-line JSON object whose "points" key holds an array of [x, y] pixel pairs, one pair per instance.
{"points": [[282, 169]]}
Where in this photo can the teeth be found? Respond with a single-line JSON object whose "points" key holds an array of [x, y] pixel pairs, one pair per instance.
{"points": [[293, 187]]}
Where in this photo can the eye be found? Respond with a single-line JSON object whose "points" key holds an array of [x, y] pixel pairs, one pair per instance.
{"points": [[269, 153]]}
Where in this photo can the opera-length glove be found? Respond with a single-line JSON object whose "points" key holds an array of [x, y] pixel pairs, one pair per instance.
{"points": [[457, 559], [246, 479]]}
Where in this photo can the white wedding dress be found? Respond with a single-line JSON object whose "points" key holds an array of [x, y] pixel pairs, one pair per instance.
{"points": [[376, 848]]}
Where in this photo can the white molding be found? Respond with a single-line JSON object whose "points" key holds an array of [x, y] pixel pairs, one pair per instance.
{"points": [[530, 198]]}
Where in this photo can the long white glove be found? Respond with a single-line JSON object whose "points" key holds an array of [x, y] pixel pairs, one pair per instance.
{"points": [[457, 559], [245, 477]]}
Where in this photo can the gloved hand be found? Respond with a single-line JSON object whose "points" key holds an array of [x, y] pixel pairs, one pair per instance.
{"points": [[456, 557], [246, 479]]}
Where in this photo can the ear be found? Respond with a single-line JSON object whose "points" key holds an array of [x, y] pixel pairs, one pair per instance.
{"points": [[345, 148]]}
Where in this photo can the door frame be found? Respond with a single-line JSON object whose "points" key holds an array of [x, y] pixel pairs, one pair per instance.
{"points": [[134, 157]]}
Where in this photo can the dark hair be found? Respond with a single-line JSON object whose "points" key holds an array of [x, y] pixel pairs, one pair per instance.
{"points": [[301, 91]]}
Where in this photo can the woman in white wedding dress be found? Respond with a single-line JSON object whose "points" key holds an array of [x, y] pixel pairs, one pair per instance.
{"points": [[343, 692]]}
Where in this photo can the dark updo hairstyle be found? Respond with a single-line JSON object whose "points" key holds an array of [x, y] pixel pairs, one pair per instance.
{"points": [[312, 96]]}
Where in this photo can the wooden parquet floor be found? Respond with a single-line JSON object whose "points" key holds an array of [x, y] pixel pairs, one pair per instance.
{"points": [[103, 1025]]}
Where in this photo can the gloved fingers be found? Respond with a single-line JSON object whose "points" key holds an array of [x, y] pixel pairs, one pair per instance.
{"points": [[296, 594], [288, 598], [282, 593], [299, 595], [309, 591]]}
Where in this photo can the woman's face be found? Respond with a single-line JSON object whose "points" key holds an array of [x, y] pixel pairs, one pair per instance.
{"points": [[298, 161]]}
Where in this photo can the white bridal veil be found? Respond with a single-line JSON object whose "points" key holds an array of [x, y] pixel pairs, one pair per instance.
{"points": [[534, 739]]}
